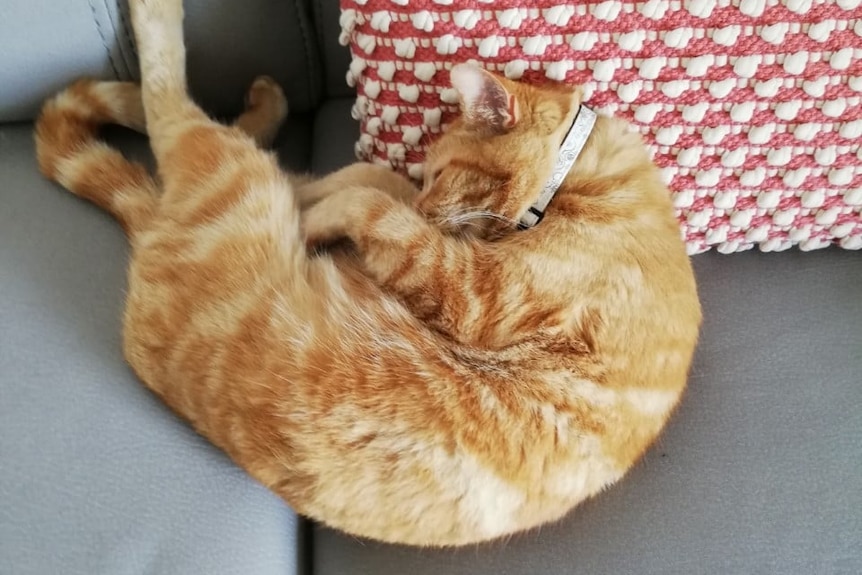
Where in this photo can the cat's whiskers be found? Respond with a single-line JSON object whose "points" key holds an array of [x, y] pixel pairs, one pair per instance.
{"points": [[470, 215]]}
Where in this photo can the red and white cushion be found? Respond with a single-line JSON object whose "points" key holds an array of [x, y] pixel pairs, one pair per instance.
{"points": [[752, 108]]}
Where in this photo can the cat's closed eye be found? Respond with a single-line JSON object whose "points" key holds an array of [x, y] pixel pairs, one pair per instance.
{"points": [[431, 178]]}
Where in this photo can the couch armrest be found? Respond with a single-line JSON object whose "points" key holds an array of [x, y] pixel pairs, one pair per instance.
{"points": [[44, 44]]}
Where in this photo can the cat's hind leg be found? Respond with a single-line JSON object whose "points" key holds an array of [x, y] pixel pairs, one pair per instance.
{"points": [[203, 165], [212, 175], [265, 111], [158, 28], [70, 152], [183, 139]]}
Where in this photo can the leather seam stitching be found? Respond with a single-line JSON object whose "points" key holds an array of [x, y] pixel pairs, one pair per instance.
{"points": [[321, 40], [122, 51], [134, 71], [304, 34], [127, 29], [104, 40]]}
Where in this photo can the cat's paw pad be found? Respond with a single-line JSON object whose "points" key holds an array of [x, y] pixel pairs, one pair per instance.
{"points": [[266, 94]]}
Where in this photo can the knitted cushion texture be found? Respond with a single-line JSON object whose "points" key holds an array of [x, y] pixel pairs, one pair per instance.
{"points": [[752, 108]]}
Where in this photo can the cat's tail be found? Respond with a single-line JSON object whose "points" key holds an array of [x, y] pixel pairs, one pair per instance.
{"points": [[70, 152]]}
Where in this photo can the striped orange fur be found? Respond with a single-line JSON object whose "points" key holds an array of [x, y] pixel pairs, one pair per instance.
{"points": [[443, 379]]}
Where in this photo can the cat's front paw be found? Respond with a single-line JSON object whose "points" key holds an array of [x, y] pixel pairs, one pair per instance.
{"points": [[322, 224]]}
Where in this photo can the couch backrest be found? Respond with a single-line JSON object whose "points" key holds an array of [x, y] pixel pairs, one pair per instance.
{"points": [[334, 56], [45, 44]]}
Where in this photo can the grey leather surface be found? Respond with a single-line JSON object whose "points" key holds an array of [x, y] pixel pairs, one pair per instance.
{"points": [[229, 43], [293, 144], [335, 57], [44, 44], [96, 475], [335, 133], [759, 472]]}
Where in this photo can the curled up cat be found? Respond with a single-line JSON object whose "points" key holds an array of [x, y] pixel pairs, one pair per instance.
{"points": [[452, 375]]}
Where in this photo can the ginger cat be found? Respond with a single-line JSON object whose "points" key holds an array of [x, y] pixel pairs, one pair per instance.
{"points": [[450, 380]]}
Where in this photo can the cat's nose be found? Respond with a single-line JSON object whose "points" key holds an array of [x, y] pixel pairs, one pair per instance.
{"points": [[428, 210]]}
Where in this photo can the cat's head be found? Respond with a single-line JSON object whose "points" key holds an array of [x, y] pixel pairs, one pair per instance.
{"points": [[489, 167]]}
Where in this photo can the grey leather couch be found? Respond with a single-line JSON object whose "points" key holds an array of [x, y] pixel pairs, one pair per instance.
{"points": [[759, 472]]}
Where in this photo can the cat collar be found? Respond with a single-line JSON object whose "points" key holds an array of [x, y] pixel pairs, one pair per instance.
{"points": [[572, 146]]}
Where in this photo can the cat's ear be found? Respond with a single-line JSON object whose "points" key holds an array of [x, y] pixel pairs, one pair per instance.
{"points": [[485, 102]]}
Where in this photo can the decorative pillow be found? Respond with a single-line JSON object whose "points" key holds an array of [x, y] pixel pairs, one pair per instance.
{"points": [[753, 108]]}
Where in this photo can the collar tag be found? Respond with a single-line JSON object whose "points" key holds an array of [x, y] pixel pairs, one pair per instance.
{"points": [[572, 147]]}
